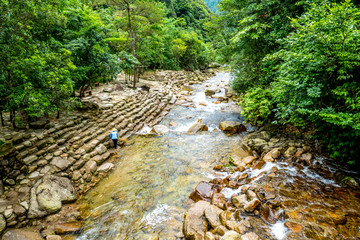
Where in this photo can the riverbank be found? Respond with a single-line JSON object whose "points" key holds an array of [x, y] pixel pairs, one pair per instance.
{"points": [[283, 190], [43, 169]]}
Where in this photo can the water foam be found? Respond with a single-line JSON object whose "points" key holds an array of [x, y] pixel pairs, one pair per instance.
{"points": [[279, 230], [157, 216]]}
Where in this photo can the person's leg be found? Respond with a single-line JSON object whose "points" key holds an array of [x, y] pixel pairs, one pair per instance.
{"points": [[115, 143]]}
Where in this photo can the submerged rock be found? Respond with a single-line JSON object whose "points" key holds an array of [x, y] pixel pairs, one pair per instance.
{"points": [[232, 127]]}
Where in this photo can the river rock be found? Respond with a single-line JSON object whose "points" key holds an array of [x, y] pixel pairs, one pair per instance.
{"points": [[243, 226], [290, 152], [105, 167], [212, 215], [231, 235], [203, 191], [248, 160], [195, 224], [296, 228], [232, 127], [2, 223], [250, 236], [67, 228], [21, 234], [209, 92], [272, 155], [307, 157], [198, 127], [160, 129], [209, 236], [250, 206], [239, 201], [218, 199], [346, 180], [19, 210], [60, 163], [53, 237], [267, 214], [48, 194]]}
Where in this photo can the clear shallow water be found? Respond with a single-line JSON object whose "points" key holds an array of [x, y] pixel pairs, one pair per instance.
{"points": [[146, 195]]}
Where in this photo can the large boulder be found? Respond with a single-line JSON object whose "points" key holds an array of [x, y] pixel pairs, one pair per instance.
{"points": [[198, 127], [160, 129], [203, 191], [21, 234], [195, 224], [48, 194], [232, 127]]}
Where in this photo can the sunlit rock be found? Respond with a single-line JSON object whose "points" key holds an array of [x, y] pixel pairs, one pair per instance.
{"points": [[197, 127], [195, 224], [232, 127]]}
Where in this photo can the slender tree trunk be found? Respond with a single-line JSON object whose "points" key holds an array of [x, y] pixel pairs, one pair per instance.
{"points": [[2, 119], [132, 39], [58, 114], [13, 118]]}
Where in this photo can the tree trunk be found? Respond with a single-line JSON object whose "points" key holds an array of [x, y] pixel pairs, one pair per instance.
{"points": [[13, 118], [2, 119], [58, 114], [132, 39]]}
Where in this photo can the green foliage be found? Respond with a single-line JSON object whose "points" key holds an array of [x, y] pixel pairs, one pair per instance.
{"points": [[256, 105], [312, 78]]}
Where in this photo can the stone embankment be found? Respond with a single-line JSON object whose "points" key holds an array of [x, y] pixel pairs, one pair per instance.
{"points": [[42, 169], [282, 190]]}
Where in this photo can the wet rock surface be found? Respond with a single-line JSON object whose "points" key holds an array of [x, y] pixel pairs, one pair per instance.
{"points": [[284, 191]]}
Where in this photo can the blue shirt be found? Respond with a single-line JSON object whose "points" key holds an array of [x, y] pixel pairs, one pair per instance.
{"points": [[114, 135]]}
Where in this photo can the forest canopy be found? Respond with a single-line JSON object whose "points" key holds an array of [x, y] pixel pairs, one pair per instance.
{"points": [[52, 49]]}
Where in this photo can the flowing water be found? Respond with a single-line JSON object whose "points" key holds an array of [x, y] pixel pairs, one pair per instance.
{"points": [[147, 193], [148, 190]]}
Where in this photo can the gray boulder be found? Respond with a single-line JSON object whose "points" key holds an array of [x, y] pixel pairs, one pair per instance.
{"points": [[48, 194]]}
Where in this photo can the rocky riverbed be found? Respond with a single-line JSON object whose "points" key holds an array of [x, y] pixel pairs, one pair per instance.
{"points": [[54, 162], [282, 190]]}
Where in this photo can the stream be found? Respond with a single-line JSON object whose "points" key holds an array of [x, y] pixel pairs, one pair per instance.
{"points": [[147, 194]]}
